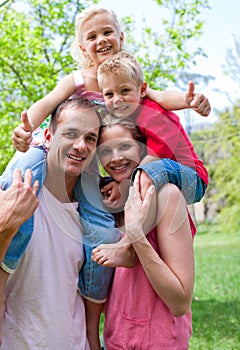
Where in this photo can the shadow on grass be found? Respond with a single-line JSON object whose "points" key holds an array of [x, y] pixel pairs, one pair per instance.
{"points": [[216, 322]]}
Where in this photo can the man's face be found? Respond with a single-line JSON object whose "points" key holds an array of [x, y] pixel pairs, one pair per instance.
{"points": [[73, 145]]}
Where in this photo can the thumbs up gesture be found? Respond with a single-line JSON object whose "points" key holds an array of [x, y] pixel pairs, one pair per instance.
{"points": [[22, 134]]}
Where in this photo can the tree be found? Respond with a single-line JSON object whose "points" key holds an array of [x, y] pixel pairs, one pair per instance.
{"points": [[35, 38], [168, 55], [221, 147]]}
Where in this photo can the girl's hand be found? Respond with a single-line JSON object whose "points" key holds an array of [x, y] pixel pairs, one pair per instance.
{"points": [[22, 134], [137, 210]]}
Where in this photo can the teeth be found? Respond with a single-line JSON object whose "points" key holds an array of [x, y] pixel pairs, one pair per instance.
{"points": [[74, 158], [105, 49], [119, 167]]}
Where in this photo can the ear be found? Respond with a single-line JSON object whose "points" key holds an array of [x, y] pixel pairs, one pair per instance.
{"points": [[142, 150], [83, 50], [143, 89], [47, 138], [121, 40]]}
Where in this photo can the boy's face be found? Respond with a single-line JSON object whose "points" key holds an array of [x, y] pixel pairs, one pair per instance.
{"points": [[121, 95]]}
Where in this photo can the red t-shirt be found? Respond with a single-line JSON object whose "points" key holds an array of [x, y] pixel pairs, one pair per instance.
{"points": [[166, 137]]}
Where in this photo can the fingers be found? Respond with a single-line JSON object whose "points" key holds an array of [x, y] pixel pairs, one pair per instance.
{"points": [[190, 90], [201, 105], [35, 187], [25, 121], [22, 134], [17, 177]]}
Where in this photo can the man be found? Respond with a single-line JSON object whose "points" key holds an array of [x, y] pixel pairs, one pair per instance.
{"points": [[43, 307], [17, 204]]}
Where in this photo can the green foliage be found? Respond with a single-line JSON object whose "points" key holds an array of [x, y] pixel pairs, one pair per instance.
{"points": [[216, 304], [221, 152], [35, 38], [167, 55]]}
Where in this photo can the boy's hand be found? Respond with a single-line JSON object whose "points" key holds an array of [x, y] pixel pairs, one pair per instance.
{"points": [[197, 101], [115, 194], [22, 134]]}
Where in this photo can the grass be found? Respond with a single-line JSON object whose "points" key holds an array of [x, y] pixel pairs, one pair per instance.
{"points": [[216, 302]]}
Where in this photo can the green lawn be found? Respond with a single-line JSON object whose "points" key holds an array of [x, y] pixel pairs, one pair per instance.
{"points": [[216, 303]]}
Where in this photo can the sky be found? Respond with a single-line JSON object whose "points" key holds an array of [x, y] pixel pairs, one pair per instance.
{"points": [[221, 24]]}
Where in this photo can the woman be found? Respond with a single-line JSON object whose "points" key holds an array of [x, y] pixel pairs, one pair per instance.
{"points": [[149, 304]]}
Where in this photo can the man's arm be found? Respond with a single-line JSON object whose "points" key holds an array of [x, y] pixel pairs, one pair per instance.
{"points": [[17, 204]]}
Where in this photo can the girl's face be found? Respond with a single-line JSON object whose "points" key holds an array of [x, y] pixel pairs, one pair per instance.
{"points": [[100, 38], [118, 152]]}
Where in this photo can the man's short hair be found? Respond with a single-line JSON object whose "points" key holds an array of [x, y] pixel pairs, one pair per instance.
{"points": [[72, 103]]}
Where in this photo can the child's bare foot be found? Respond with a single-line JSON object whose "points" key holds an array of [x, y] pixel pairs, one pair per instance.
{"points": [[115, 255]]}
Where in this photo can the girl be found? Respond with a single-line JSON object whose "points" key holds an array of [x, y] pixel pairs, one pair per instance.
{"points": [[98, 36], [148, 306]]}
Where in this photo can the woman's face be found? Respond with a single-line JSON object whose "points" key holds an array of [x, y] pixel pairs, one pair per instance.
{"points": [[118, 152]]}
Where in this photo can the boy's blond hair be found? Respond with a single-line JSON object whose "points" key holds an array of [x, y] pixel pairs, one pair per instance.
{"points": [[122, 63], [81, 18]]}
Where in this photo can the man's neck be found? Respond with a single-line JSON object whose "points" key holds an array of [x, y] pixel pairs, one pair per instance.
{"points": [[61, 186]]}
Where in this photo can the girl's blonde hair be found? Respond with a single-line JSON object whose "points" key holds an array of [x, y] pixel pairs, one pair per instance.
{"points": [[86, 14], [121, 63]]}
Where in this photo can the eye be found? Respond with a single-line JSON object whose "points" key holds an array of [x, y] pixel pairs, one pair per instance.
{"points": [[125, 91], [104, 151], [70, 134], [91, 139], [108, 94], [108, 32], [125, 147], [91, 37]]}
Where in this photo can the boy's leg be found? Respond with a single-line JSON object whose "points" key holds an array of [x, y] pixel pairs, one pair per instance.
{"points": [[3, 281], [166, 170]]}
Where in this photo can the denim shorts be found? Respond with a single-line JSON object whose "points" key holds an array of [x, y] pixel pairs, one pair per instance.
{"points": [[166, 170]]}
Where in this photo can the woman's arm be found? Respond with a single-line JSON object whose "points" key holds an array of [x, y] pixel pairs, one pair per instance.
{"points": [[40, 110], [175, 100], [171, 273]]}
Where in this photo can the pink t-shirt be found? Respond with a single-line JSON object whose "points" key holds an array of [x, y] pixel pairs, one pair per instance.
{"points": [[81, 91], [136, 318]]}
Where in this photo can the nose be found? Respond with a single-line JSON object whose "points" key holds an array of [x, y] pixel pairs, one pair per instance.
{"points": [[101, 39], [116, 156], [117, 98], [80, 144]]}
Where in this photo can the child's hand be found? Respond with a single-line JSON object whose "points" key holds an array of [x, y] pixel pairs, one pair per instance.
{"points": [[22, 134], [115, 194], [197, 101]]}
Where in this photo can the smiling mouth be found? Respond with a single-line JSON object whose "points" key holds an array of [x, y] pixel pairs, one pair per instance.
{"points": [[121, 108], [75, 158], [105, 49], [119, 168]]}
